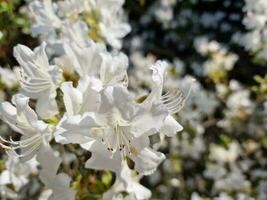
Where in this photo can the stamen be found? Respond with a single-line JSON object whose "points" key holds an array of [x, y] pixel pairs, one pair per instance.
{"points": [[6, 141], [34, 147], [116, 139], [174, 101], [33, 142], [171, 97]]}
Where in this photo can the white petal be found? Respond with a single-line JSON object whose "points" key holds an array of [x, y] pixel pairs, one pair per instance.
{"points": [[101, 159], [22, 118], [113, 68], [107, 100], [50, 162], [9, 115], [39, 80], [46, 106], [45, 17], [76, 31], [31, 61], [86, 60], [170, 127], [117, 97], [76, 129], [89, 87], [61, 189], [24, 109], [72, 98], [147, 161], [148, 120], [133, 186], [159, 71]]}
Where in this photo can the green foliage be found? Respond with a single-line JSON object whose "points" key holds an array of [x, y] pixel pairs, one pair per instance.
{"points": [[2, 165], [261, 88], [14, 28], [91, 186]]}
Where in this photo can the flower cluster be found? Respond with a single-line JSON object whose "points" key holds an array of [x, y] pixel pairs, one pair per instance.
{"points": [[72, 21], [92, 112], [255, 22], [78, 94]]}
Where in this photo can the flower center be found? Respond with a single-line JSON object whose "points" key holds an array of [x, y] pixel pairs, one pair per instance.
{"points": [[116, 138]]}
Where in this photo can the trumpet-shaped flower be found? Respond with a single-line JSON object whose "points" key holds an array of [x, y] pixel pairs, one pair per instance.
{"points": [[170, 102], [106, 120], [22, 119], [86, 97], [38, 79], [109, 132]]}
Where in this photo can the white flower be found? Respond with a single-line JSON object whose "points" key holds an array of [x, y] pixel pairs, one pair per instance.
{"points": [[233, 181], [220, 61], [76, 32], [126, 182], [239, 99], [113, 69], [111, 25], [223, 155], [45, 17], [58, 183], [170, 102], [106, 121], [38, 79], [50, 19], [204, 46], [109, 70], [94, 61], [17, 173], [84, 60], [163, 12], [84, 98], [110, 132], [255, 21], [23, 119]]}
